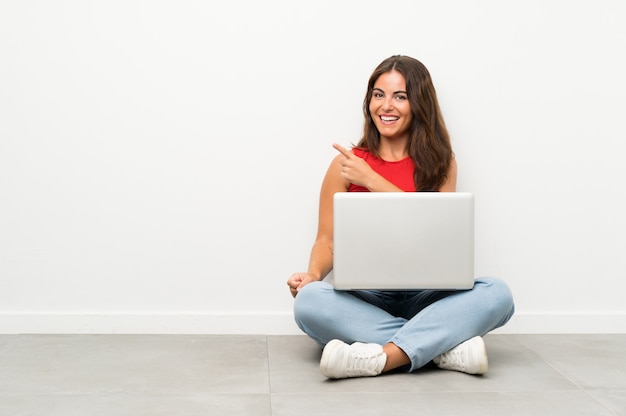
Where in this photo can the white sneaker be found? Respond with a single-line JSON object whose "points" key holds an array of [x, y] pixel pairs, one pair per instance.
{"points": [[340, 360], [468, 357]]}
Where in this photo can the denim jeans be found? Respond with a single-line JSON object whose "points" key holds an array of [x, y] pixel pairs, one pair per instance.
{"points": [[422, 323]]}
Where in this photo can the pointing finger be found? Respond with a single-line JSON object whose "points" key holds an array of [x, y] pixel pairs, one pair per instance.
{"points": [[343, 150]]}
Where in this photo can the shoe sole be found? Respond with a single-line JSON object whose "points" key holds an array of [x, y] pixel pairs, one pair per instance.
{"points": [[326, 357], [479, 352]]}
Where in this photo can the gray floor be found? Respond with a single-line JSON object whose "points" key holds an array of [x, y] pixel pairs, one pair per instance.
{"points": [[186, 375]]}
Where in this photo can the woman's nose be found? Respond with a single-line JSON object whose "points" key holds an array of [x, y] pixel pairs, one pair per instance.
{"points": [[388, 104]]}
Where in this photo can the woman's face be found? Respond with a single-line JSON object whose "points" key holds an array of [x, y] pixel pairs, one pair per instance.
{"points": [[389, 106]]}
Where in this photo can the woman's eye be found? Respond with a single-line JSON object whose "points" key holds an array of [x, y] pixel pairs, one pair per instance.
{"points": [[377, 95], [401, 97]]}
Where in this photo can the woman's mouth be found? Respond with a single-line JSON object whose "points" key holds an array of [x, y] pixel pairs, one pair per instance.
{"points": [[388, 119]]}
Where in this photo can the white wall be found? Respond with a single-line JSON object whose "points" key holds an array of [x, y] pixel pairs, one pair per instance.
{"points": [[160, 161]]}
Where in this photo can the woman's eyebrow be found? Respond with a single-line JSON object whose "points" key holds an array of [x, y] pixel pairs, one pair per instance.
{"points": [[395, 92]]}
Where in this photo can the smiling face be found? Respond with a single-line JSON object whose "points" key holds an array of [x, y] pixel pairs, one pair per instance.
{"points": [[389, 106]]}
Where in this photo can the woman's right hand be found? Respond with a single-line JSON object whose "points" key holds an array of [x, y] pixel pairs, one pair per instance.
{"points": [[298, 280], [354, 169]]}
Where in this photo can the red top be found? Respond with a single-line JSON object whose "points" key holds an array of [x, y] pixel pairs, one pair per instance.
{"points": [[399, 173]]}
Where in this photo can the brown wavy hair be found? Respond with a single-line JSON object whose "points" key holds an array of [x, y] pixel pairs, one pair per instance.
{"points": [[429, 144]]}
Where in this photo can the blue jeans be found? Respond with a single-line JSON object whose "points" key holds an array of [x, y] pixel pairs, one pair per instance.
{"points": [[422, 323]]}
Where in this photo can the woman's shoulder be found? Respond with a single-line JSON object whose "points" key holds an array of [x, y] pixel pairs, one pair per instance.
{"points": [[361, 152]]}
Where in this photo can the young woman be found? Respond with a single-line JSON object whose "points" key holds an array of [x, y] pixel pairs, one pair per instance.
{"points": [[405, 147]]}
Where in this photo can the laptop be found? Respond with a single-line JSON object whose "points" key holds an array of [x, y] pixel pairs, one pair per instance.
{"points": [[403, 240]]}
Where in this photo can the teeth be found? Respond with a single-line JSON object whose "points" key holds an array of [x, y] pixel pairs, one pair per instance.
{"points": [[388, 118]]}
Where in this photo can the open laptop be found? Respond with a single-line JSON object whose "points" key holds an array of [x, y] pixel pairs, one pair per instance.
{"points": [[403, 240]]}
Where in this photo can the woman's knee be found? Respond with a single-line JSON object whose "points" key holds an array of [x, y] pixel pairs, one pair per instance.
{"points": [[499, 295], [307, 303]]}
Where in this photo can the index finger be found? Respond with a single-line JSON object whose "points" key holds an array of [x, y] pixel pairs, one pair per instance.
{"points": [[342, 150]]}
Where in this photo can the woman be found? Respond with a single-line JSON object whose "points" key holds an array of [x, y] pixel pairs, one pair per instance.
{"points": [[405, 147]]}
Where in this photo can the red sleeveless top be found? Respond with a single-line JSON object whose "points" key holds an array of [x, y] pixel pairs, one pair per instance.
{"points": [[399, 173]]}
